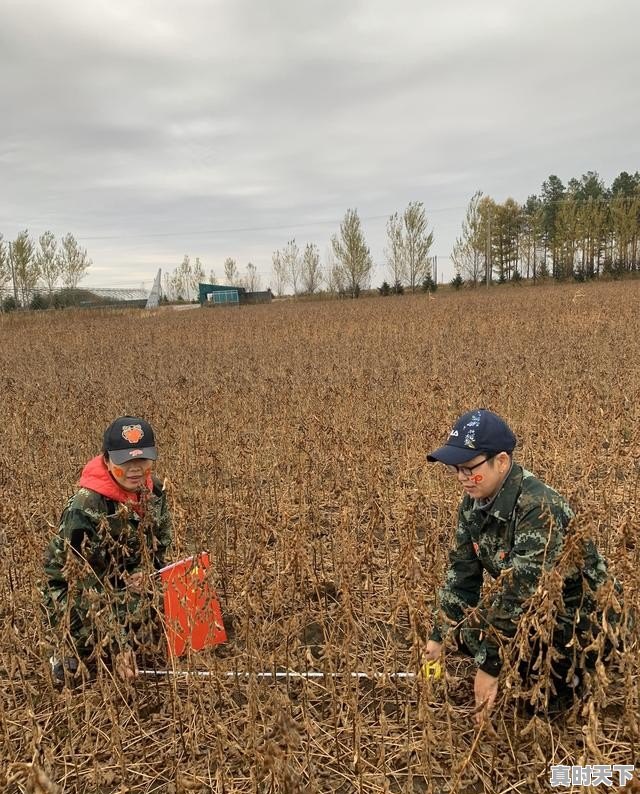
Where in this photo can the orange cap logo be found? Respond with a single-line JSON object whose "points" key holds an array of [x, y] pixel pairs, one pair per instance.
{"points": [[132, 433]]}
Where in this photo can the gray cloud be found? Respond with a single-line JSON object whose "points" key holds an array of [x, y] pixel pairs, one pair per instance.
{"points": [[151, 130]]}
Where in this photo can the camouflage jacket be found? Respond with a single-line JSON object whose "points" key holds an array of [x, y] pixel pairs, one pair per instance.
{"points": [[109, 539], [516, 538]]}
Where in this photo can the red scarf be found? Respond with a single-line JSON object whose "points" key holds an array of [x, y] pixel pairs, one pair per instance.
{"points": [[96, 477]]}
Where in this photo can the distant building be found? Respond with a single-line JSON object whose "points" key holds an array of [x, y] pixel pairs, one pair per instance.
{"points": [[224, 295]]}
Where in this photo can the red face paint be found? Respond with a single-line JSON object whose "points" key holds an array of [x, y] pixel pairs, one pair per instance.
{"points": [[118, 472], [477, 479]]}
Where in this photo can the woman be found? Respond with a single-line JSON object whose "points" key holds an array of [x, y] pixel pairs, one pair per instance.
{"points": [[113, 533], [515, 527]]}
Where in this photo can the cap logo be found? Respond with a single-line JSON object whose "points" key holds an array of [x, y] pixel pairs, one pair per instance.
{"points": [[132, 433], [133, 453], [453, 434]]}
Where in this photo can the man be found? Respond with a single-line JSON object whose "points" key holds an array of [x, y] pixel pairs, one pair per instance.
{"points": [[515, 527], [113, 533]]}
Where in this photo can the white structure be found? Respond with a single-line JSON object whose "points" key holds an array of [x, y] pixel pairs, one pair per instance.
{"points": [[154, 296]]}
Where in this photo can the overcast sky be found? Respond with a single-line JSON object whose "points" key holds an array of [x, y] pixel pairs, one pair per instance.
{"points": [[154, 129]]}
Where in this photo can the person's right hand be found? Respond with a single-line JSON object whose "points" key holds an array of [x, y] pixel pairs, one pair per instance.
{"points": [[432, 652]]}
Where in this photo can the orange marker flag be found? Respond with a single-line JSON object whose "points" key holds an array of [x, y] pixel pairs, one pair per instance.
{"points": [[191, 608]]}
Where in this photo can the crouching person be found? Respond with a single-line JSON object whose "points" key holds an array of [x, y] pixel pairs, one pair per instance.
{"points": [[113, 534], [517, 529]]}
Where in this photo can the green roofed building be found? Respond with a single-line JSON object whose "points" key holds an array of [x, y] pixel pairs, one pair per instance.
{"points": [[224, 295]]}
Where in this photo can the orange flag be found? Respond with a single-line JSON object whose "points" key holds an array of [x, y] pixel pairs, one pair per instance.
{"points": [[192, 612]]}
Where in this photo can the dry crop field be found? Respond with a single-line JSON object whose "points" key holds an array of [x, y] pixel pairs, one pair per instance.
{"points": [[293, 440]]}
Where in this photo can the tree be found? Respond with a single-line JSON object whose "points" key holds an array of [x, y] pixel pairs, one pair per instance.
{"points": [[469, 250], [505, 230], [185, 279], [212, 277], [292, 263], [197, 277], [311, 271], [231, 271], [252, 278], [352, 254], [74, 262], [5, 269], [394, 250], [552, 195], [48, 261], [279, 271], [416, 244], [25, 267]]}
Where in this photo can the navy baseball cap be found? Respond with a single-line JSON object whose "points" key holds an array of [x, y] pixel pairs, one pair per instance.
{"points": [[128, 438], [474, 432]]}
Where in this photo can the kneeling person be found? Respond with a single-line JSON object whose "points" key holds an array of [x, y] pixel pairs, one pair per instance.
{"points": [[513, 526], [113, 533]]}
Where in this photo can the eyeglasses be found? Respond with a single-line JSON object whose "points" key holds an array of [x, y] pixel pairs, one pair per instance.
{"points": [[467, 471]]}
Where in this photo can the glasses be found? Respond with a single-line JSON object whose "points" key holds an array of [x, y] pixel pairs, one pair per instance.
{"points": [[467, 471]]}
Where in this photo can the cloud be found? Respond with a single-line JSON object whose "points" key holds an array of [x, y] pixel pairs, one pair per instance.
{"points": [[151, 130]]}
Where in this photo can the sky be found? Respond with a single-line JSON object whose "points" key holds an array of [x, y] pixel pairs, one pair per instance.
{"points": [[224, 128]]}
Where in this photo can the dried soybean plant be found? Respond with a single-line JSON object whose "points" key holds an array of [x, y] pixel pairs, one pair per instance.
{"points": [[292, 438]]}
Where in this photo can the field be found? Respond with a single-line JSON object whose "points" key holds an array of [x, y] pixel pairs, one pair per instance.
{"points": [[293, 440]]}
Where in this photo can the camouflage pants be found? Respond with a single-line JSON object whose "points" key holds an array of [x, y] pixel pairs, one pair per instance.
{"points": [[103, 622], [567, 654]]}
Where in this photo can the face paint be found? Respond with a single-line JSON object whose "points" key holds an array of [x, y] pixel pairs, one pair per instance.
{"points": [[477, 479], [118, 472]]}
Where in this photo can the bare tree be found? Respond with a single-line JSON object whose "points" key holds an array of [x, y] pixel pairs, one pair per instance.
{"points": [[25, 268], [292, 263], [352, 253], [74, 262], [197, 276], [185, 276], [279, 270], [212, 277], [252, 278], [311, 269], [231, 271], [48, 261], [5, 269], [395, 251]]}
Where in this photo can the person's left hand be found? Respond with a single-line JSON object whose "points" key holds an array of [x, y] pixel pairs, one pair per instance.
{"points": [[485, 688]]}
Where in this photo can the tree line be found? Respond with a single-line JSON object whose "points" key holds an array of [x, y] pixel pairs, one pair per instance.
{"points": [[348, 266], [181, 284], [580, 230], [33, 272]]}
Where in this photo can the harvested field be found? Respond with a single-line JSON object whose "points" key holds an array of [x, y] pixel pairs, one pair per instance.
{"points": [[293, 439]]}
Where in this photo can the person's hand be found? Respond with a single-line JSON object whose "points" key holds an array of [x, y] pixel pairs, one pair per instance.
{"points": [[135, 582], [432, 652], [125, 665], [485, 688]]}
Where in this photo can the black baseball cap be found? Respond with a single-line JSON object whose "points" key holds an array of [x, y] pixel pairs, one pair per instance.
{"points": [[128, 438], [475, 432]]}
